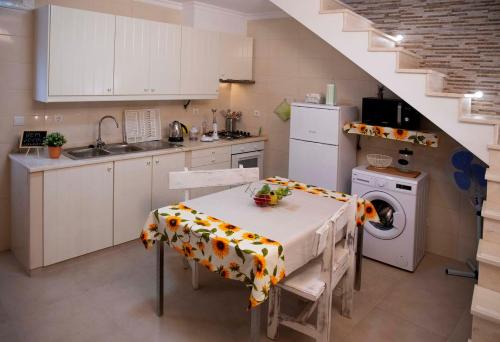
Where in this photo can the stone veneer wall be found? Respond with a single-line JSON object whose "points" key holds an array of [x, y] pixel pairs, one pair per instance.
{"points": [[458, 37]]}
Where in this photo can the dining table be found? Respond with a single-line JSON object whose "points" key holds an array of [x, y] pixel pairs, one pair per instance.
{"points": [[229, 234]]}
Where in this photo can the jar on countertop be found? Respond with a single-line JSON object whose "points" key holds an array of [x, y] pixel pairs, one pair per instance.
{"points": [[404, 160]]}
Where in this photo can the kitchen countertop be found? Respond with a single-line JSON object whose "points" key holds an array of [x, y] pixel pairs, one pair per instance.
{"points": [[44, 163]]}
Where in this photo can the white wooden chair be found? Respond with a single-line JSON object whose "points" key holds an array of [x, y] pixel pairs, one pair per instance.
{"points": [[188, 180], [316, 281]]}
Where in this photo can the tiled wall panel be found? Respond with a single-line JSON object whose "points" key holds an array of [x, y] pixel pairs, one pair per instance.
{"points": [[459, 37]]}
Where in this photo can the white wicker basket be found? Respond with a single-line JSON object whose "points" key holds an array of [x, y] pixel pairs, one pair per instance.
{"points": [[380, 161]]}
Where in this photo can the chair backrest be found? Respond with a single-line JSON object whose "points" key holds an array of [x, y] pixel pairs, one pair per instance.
{"points": [[337, 221], [326, 235], [208, 178]]}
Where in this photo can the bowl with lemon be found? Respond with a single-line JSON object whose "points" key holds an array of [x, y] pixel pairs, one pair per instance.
{"points": [[268, 196]]}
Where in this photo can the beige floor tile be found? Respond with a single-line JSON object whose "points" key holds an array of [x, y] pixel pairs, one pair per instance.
{"points": [[384, 327], [463, 330], [430, 298], [109, 296]]}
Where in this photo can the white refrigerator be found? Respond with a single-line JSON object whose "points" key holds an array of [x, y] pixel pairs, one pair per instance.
{"points": [[321, 153]]}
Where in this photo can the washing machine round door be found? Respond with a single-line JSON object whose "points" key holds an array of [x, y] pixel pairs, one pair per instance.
{"points": [[391, 214]]}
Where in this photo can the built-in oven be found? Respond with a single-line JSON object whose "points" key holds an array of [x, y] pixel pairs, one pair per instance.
{"points": [[248, 155]]}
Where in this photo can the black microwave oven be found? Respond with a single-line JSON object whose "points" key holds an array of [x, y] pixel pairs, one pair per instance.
{"points": [[389, 112]]}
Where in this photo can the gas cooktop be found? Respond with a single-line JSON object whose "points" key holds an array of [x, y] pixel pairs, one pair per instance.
{"points": [[231, 135]]}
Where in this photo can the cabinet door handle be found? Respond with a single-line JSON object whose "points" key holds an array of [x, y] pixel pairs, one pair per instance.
{"points": [[109, 90], [157, 161], [148, 163], [152, 90], [146, 90], [109, 169]]}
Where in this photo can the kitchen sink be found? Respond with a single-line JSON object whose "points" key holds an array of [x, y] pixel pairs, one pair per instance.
{"points": [[85, 153], [122, 148], [158, 145], [117, 149]]}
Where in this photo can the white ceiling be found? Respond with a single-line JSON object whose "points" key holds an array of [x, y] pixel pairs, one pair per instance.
{"points": [[244, 6]]}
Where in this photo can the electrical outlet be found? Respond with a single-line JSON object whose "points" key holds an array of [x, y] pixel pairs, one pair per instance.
{"points": [[196, 111], [256, 113], [58, 118], [18, 120]]}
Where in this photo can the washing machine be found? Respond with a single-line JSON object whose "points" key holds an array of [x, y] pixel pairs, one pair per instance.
{"points": [[399, 238]]}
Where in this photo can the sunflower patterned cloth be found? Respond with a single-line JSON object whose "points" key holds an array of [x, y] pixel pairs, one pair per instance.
{"points": [[221, 247], [365, 209], [415, 137]]}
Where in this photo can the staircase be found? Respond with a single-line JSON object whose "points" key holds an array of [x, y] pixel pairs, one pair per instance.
{"points": [[399, 69]]}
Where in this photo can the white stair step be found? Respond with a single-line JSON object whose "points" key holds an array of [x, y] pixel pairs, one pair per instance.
{"points": [[484, 330], [488, 255], [492, 175], [420, 71], [334, 4], [351, 20], [405, 61], [486, 304], [444, 94], [494, 157], [491, 230], [486, 311], [490, 211], [434, 80], [493, 190], [480, 119], [380, 39], [394, 49]]}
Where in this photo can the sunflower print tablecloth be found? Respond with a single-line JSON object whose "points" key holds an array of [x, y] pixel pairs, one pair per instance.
{"points": [[414, 137], [219, 246], [365, 209]]}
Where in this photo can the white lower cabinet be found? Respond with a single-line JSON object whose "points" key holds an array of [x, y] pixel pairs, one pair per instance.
{"points": [[77, 211], [210, 159], [162, 166], [132, 197]]}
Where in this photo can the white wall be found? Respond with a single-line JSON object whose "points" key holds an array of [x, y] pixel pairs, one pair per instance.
{"points": [[208, 17]]}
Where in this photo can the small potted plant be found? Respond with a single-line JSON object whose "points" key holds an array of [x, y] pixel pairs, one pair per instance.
{"points": [[55, 141]]}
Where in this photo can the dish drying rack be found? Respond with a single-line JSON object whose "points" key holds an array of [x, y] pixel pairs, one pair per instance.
{"points": [[142, 125]]}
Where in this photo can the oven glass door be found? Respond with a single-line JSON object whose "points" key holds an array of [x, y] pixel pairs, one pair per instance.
{"points": [[247, 160]]}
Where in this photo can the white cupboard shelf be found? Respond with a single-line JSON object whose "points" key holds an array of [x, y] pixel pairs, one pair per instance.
{"points": [[75, 53], [90, 56], [200, 55], [147, 57], [236, 58]]}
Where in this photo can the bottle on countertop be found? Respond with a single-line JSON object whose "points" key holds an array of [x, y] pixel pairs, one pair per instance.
{"points": [[215, 135]]}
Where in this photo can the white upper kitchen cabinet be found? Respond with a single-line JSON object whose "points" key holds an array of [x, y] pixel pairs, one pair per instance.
{"points": [[236, 57], [132, 197], [77, 211], [147, 57], [165, 58], [75, 53], [200, 56]]}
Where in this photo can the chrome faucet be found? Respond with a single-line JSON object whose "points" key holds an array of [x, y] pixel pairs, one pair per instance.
{"points": [[99, 143]]}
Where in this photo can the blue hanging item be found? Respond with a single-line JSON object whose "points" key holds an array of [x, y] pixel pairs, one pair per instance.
{"points": [[468, 170], [469, 176]]}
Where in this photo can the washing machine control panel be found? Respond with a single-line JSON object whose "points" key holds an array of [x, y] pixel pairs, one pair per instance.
{"points": [[384, 182]]}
